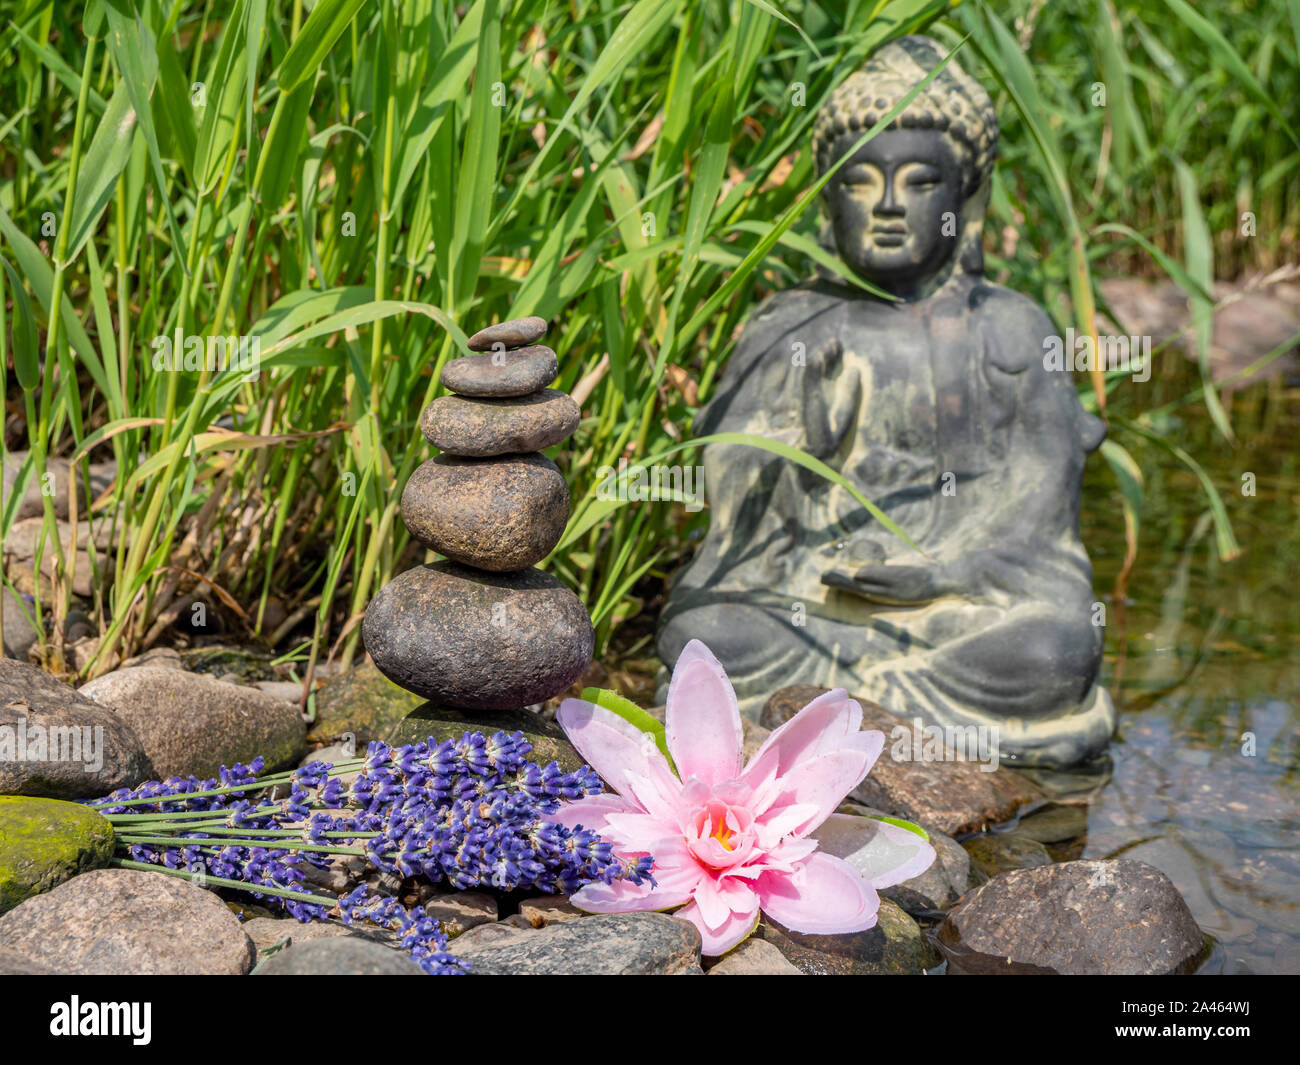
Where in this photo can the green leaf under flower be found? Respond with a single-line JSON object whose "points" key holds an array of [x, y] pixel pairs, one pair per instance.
{"points": [[905, 824], [633, 714]]}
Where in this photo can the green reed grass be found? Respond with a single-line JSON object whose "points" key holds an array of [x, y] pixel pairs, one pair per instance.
{"points": [[360, 185]]}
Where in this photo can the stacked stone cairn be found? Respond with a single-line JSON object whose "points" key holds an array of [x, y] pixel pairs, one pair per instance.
{"points": [[485, 630]]}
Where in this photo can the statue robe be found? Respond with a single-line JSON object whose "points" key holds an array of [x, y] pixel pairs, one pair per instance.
{"points": [[941, 412]]}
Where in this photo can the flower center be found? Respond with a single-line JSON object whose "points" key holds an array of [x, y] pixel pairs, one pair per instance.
{"points": [[722, 833]]}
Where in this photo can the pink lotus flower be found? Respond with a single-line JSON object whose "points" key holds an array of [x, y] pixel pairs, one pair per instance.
{"points": [[729, 841]]}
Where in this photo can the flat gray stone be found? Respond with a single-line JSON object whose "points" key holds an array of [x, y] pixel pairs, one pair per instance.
{"points": [[502, 373], [193, 723], [514, 333], [338, 956], [498, 514], [55, 743], [632, 944], [120, 922], [1102, 917], [481, 428], [478, 641]]}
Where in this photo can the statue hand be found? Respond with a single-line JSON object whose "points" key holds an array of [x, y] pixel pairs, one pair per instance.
{"points": [[900, 585]]}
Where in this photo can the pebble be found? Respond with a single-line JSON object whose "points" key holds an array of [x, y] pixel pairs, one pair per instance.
{"points": [[755, 957], [459, 911], [633, 944], [515, 333], [36, 708], [281, 932], [1000, 853], [506, 373], [476, 640], [495, 514], [193, 723], [1087, 917], [43, 842], [549, 909], [481, 428], [120, 922]]}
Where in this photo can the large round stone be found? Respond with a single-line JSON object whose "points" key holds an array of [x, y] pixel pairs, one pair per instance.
{"points": [[119, 922], [480, 641], [497, 514], [1089, 917], [480, 428], [505, 373], [512, 334]]}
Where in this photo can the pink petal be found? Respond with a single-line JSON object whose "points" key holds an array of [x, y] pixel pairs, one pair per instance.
{"points": [[613, 747], [812, 731], [591, 812], [824, 896], [882, 853], [822, 783], [703, 718], [637, 831], [734, 929], [622, 896]]}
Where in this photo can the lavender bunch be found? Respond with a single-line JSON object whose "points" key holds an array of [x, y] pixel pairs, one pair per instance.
{"points": [[472, 811]]}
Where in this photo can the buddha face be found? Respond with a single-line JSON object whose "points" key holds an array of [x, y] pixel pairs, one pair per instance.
{"points": [[895, 207]]}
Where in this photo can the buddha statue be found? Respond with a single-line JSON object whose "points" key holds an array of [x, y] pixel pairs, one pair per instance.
{"points": [[937, 405]]}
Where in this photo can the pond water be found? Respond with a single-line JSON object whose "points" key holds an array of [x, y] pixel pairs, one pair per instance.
{"points": [[1203, 658]]}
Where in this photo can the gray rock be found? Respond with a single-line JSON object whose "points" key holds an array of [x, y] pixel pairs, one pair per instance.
{"points": [[506, 373], [480, 428], [43, 842], [338, 956], [192, 723], [57, 744], [32, 504], [1111, 917], [754, 957], [17, 963], [19, 632], [607, 945], [119, 922], [895, 945], [168, 657], [359, 706], [479, 641], [514, 333], [431, 721], [497, 514]]}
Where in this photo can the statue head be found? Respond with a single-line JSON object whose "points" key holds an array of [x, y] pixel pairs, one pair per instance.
{"points": [[910, 203]]}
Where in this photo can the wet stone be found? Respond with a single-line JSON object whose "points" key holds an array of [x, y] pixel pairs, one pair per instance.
{"points": [[1088, 917], [997, 853], [481, 428], [496, 514], [338, 956], [478, 641], [515, 333], [502, 373]]}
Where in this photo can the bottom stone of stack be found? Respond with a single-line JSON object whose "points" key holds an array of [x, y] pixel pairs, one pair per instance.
{"points": [[476, 640]]}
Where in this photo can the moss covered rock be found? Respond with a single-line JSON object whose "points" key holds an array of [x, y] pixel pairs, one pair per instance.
{"points": [[44, 842], [362, 704], [895, 945]]}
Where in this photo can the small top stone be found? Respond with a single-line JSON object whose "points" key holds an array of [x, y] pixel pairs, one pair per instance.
{"points": [[505, 373], [515, 333]]}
